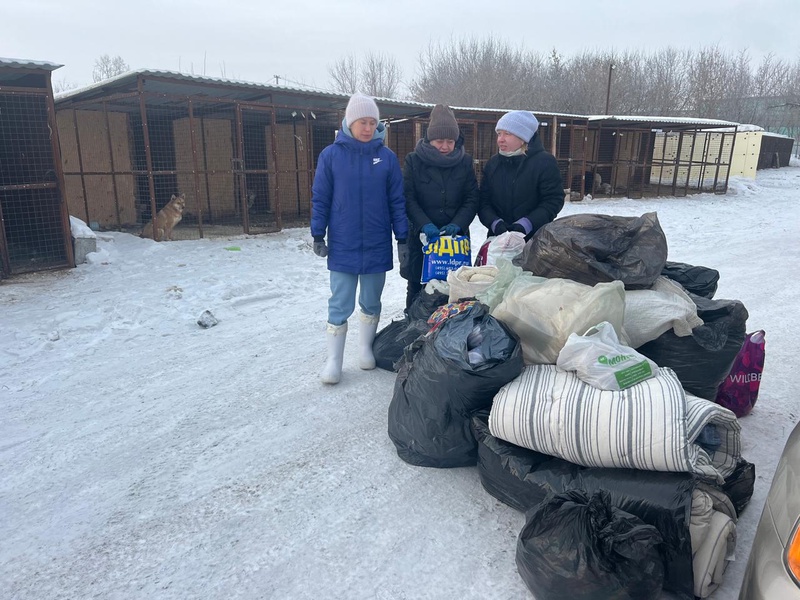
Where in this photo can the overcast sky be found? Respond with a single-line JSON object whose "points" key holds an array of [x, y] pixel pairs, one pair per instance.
{"points": [[256, 40]]}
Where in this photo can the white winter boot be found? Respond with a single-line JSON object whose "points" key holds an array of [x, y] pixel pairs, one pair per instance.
{"points": [[332, 372], [366, 335]]}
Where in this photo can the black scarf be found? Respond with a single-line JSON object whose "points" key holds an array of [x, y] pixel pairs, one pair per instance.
{"points": [[431, 156]]}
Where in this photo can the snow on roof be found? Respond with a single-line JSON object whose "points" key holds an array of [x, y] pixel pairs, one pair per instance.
{"points": [[186, 77], [675, 120], [19, 63], [264, 86]]}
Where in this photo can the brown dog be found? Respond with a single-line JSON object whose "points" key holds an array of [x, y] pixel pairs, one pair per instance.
{"points": [[166, 219]]}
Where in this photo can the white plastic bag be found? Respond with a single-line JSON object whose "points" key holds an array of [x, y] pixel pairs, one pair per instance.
{"points": [[544, 312], [508, 245], [665, 306], [599, 359]]}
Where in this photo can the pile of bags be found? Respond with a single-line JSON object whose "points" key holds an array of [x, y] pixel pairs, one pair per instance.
{"points": [[597, 386]]}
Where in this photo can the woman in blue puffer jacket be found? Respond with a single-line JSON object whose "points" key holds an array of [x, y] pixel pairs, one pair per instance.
{"points": [[357, 200]]}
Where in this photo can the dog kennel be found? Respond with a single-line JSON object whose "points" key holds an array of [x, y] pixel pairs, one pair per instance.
{"points": [[637, 156], [35, 232], [243, 153]]}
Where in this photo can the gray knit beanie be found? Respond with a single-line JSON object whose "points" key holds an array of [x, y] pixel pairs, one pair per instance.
{"points": [[519, 122], [443, 124], [360, 106]]}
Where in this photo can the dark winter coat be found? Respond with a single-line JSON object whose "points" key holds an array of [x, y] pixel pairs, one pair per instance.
{"points": [[528, 185], [440, 195], [357, 198]]}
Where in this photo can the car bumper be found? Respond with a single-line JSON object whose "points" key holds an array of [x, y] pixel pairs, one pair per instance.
{"points": [[766, 577]]}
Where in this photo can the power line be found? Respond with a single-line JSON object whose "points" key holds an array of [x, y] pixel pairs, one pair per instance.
{"points": [[305, 85]]}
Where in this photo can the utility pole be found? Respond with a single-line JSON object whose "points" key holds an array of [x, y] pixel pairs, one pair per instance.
{"points": [[611, 68], [277, 77]]}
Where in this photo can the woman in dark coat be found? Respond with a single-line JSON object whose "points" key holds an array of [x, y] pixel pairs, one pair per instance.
{"points": [[521, 187], [440, 188]]}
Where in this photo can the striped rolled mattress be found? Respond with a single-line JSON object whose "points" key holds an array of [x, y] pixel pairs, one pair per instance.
{"points": [[650, 426]]}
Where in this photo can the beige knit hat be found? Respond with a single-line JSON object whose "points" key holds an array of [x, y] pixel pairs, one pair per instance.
{"points": [[360, 106], [443, 124]]}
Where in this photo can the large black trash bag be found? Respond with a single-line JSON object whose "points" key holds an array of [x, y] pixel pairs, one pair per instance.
{"points": [[591, 249], [698, 280], [581, 547], [390, 341], [424, 305], [437, 389], [523, 478], [703, 360]]}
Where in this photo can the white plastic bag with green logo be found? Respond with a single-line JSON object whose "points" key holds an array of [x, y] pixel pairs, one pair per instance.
{"points": [[602, 361]]}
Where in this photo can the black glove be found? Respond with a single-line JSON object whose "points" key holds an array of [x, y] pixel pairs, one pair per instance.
{"points": [[402, 255], [320, 249], [516, 227], [500, 227]]}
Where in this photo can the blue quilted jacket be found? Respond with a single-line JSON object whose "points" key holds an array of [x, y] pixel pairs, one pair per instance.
{"points": [[357, 200]]}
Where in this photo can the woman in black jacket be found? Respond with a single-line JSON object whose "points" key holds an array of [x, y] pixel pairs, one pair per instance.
{"points": [[440, 188], [521, 187]]}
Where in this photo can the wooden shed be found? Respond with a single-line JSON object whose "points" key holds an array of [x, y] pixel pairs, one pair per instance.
{"points": [[243, 153], [35, 232]]}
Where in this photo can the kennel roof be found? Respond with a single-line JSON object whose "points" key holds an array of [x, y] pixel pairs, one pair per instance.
{"points": [[657, 122], [170, 85], [20, 63]]}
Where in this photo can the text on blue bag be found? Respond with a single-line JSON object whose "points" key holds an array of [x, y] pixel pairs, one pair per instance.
{"points": [[446, 254]]}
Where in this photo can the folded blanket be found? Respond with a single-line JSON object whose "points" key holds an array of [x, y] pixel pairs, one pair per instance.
{"points": [[651, 425], [700, 520], [466, 282], [712, 557]]}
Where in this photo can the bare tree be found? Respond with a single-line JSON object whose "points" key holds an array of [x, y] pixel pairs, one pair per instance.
{"points": [[473, 72], [705, 83], [344, 74], [62, 85], [380, 75], [377, 75], [108, 66]]}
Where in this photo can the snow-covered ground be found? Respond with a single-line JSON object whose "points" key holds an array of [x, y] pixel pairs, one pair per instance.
{"points": [[146, 457]]}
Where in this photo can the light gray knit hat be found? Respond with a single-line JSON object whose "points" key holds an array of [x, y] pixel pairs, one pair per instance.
{"points": [[519, 122], [360, 106]]}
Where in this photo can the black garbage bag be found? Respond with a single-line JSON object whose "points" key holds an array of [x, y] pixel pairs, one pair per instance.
{"points": [[390, 341], [739, 485], [523, 478], [425, 304], [581, 547], [703, 360], [441, 382], [698, 280], [591, 249]]}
